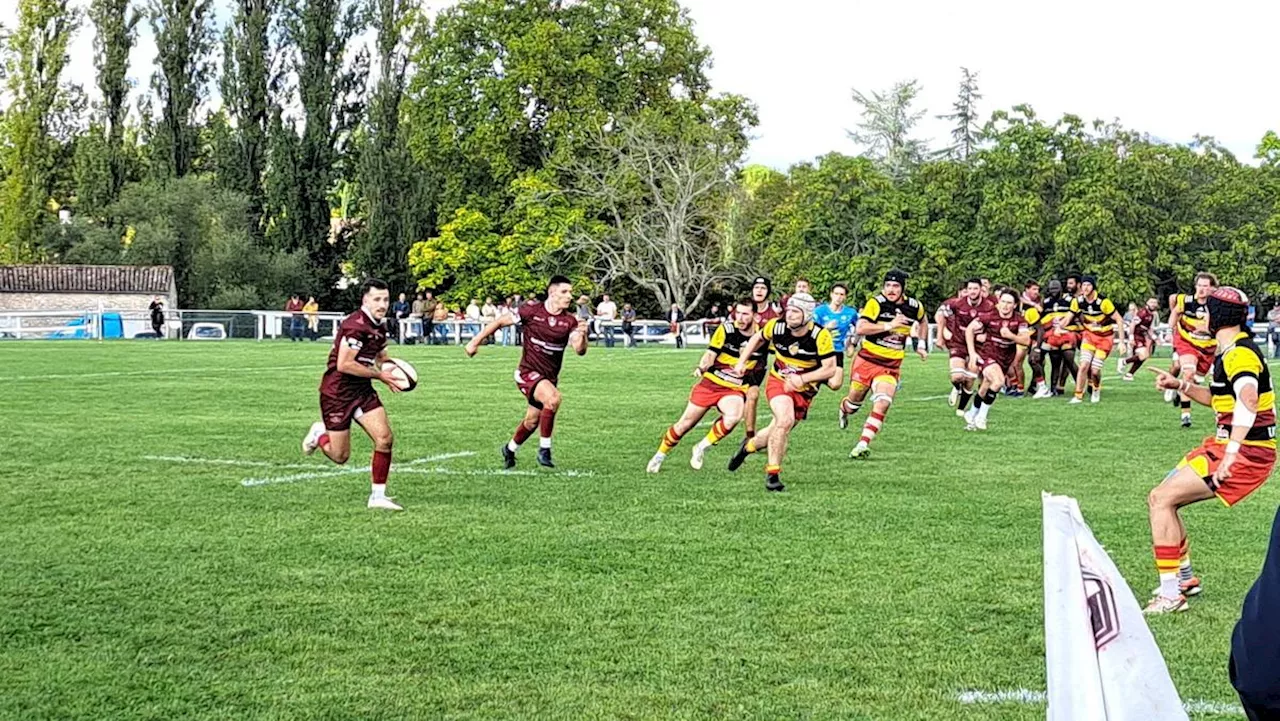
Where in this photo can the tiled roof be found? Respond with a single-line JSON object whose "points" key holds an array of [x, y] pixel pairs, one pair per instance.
{"points": [[85, 279]]}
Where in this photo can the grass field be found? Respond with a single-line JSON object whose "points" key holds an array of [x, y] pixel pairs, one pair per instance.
{"points": [[140, 579]]}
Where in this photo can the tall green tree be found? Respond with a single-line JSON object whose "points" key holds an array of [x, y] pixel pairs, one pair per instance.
{"points": [[250, 77], [884, 131], [966, 130], [388, 181], [184, 37], [115, 25], [30, 154], [331, 94]]}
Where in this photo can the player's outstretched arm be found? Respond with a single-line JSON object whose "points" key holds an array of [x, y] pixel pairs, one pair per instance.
{"points": [[940, 320], [921, 333], [971, 337], [822, 373], [349, 365], [1023, 338], [1168, 382], [705, 362], [494, 326], [578, 338], [748, 349]]}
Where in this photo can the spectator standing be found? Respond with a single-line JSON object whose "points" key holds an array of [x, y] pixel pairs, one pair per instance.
{"points": [[517, 300], [712, 320], [399, 311], [429, 305], [157, 316], [675, 317], [311, 309], [584, 314], [606, 314], [1273, 318], [628, 325], [440, 322], [473, 314], [294, 308], [416, 320], [488, 314]]}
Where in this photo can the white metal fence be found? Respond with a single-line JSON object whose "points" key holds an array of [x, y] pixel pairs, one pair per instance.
{"points": [[204, 324]]}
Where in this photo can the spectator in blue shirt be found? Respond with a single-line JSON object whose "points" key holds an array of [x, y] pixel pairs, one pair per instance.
{"points": [[839, 319]]}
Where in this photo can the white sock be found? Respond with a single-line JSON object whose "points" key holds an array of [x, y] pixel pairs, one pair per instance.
{"points": [[544, 442], [703, 444], [1169, 585], [659, 456], [379, 490], [511, 446], [982, 412]]}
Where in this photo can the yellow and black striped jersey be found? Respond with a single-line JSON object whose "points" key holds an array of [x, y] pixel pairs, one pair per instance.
{"points": [[889, 347], [1193, 324], [1243, 359], [798, 353], [1057, 309], [1098, 314], [727, 343]]}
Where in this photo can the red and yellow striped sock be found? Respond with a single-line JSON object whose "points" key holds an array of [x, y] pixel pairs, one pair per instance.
{"points": [[750, 445], [872, 427], [772, 469], [717, 433], [1167, 566], [1185, 573], [669, 441]]}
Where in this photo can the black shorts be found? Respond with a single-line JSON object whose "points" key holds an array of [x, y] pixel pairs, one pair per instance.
{"points": [[755, 377], [840, 359]]}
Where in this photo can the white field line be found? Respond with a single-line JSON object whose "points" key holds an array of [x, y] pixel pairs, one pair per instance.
{"points": [[347, 470], [1028, 697], [162, 371]]}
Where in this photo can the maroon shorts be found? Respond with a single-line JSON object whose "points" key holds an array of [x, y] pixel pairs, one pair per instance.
{"points": [[337, 411], [774, 387], [1002, 358], [707, 394], [958, 351], [527, 382]]}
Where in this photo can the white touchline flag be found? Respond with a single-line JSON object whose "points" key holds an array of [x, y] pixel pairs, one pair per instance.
{"points": [[1102, 663]]}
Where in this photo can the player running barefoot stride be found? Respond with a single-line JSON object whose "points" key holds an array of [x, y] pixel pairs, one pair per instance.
{"points": [[804, 358], [719, 387], [347, 394], [884, 324], [1231, 464], [548, 328], [1193, 344], [1004, 330]]}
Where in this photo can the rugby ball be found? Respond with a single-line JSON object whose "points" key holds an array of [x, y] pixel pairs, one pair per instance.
{"points": [[406, 378]]}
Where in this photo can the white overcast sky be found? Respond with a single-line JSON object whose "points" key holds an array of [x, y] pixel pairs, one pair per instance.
{"points": [[1172, 69]]}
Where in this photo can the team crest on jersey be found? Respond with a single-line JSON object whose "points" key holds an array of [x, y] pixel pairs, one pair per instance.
{"points": [[551, 322]]}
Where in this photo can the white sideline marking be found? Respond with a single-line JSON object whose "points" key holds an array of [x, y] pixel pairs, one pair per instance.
{"points": [[928, 398], [1028, 697], [346, 470], [440, 470], [158, 371]]}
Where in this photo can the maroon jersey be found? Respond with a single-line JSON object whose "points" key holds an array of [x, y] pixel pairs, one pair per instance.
{"points": [[1142, 328], [996, 345], [771, 310], [368, 338], [546, 335], [960, 313]]}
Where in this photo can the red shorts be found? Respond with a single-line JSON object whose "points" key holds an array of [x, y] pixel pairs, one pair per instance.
{"points": [[865, 373], [527, 382], [774, 387], [958, 351], [1065, 340], [1252, 468], [1182, 348], [337, 411], [1098, 344], [708, 394]]}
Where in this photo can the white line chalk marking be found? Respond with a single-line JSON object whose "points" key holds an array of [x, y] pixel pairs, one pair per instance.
{"points": [[225, 462], [406, 467], [1029, 698]]}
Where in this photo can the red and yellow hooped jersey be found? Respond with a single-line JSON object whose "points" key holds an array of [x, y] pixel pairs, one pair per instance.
{"points": [[1193, 324], [1097, 314], [798, 353], [1244, 360], [888, 348]]}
